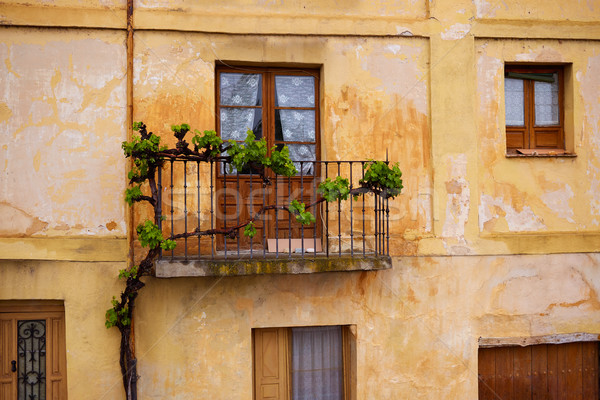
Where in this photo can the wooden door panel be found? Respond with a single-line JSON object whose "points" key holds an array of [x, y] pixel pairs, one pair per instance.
{"points": [[487, 374], [522, 372], [539, 373], [547, 371], [53, 345], [8, 352], [238, 200]]}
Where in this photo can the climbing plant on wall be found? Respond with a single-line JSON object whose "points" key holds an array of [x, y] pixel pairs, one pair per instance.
{"points": [[148, 157]]}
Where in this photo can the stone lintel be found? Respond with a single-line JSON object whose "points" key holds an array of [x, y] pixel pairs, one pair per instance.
{"points": [[535, 340]]}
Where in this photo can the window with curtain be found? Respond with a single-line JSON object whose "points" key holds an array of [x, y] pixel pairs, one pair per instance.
{"points": [[278, 104], [305, 363], [533, 99]]}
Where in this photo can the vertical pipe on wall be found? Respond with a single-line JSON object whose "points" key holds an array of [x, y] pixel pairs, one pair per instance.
{"points": [[132, 392], [129, 116]]}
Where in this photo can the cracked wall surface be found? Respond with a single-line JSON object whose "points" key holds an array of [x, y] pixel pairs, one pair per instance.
{"points": [[539, 195], [63, 113], [482, 245]]}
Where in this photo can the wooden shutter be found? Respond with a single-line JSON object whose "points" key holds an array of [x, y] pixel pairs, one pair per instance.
{"points": [[547, 371], [8, 379], [349, 361], [56, 364], [271, 364]]}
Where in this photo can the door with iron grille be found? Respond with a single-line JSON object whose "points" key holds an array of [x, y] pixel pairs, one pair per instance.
{"points": [[32, 353]]}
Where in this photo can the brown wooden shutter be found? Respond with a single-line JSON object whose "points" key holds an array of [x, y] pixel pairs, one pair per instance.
{"points": [[8, 379], [56, 365], [349, 359], [547, 371], [271, 364]]}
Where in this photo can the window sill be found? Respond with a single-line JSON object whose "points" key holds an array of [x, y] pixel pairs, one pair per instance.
{"points": [[180, 268], [541, 154]]}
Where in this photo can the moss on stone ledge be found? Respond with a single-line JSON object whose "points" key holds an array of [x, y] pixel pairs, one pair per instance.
{"points": [[261, 266]]}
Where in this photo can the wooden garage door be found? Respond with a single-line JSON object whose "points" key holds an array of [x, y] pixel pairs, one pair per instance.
{"points": [[547, 371]]}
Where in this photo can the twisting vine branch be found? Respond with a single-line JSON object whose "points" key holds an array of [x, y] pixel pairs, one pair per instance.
{"points": [[148, 156]]}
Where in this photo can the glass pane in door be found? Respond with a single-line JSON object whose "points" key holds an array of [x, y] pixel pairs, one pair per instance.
{"points": [[31, 359]]}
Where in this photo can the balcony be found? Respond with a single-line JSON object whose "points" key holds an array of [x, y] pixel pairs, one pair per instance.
{"points": [[214, 203]]}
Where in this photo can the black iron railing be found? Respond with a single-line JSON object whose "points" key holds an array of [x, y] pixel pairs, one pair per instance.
{"points": [[205, 207]]}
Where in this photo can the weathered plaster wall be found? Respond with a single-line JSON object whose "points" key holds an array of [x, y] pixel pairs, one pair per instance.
{"points": [[539, 195], [579, 10], [264, 8], [421, 78], [62, 119], [86, 289], [417, 324], [69, 4]]}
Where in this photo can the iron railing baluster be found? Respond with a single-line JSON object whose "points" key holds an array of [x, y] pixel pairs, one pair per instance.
{"points": [[185, 217], [198, 202], [172, 211], [212, 208]]}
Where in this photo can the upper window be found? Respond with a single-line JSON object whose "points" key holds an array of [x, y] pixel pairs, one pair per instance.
{"points": [[280, 105], [534, 109]]}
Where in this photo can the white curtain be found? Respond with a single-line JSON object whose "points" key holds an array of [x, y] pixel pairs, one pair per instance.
{"points": [[514, 102], [239, 90], [546, 102], [297, 125], [317, 372]]}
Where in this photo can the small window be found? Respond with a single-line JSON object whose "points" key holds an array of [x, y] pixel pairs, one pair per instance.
{"points": [[543, 371], [304, 363], [534, 109]]}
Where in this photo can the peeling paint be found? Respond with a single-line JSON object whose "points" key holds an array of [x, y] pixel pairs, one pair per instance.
{"points": [[69, 116], [558, 201], [458, 197], [456, 32], [517, 221], [16, 222], [5, 112]]}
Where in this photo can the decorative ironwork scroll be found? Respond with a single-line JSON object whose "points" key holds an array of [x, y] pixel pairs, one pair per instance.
{"points": [[31, 342]]}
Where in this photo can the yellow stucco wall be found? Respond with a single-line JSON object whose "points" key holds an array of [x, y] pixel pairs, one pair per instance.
{"points": [[539, 195], [417, 324], [482, 245], [86, 290], [62, 119]]}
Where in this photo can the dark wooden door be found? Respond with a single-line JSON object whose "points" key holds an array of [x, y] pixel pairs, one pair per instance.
{"points": [[548, 371]]}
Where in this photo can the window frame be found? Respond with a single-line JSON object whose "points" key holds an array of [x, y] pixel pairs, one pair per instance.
{"points": [[283, 338], [269, 105], [530, 135]]}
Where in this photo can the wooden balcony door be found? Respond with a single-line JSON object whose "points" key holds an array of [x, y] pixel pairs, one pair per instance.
{"points": [[281, 106], [32, 353]]}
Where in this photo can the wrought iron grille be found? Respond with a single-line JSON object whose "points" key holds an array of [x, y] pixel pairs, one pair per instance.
{"points": [[212, 198], [31, 344]]}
